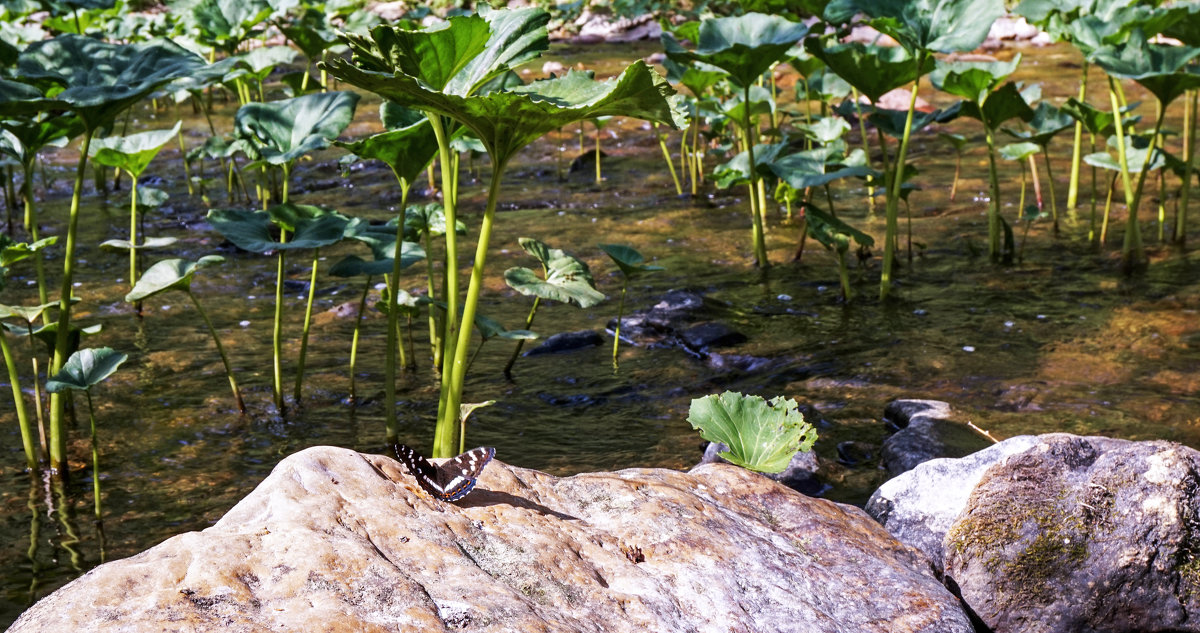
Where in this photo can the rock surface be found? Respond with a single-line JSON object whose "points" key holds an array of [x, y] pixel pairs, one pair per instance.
{"points": [[1082, 534], [927, 431], [919, 506], [567, 342], [800, 475], [334, 540]]}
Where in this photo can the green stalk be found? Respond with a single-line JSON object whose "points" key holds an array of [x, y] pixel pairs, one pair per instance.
{"points": [[14, 380], [844, 275], [1112, 186], [862, 132], [362, 307], [760, 243], [277, 327], [58, 436], [1189, 155], [312, 293], [521, 342], [449, 339], [237, 394], [95, 453], [435, 328], [893, 197], [599, 179], [389, 376], [444, 441], [1131, 248], [617, 329], [994, 228], [31, 225], [662, 143], [133, 233], [1050, 186], [187, 171], [1077, 151]]}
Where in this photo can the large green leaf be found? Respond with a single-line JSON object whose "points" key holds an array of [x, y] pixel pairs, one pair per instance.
{"points": [[628, 259], [406, 150], [508, 121], [567, 279], [1095, 120], [972, 81], [134, 152], [874, 70], [1166, 71], [943, 26], [761, 435], [429, 218], [831, 231], [801, 171], [86, 368], [744, 46], [283, 131], [224, 24], [26, 137], [1018, 151], [169, 274], [311, 227], [98, 79], [1046, 123]]}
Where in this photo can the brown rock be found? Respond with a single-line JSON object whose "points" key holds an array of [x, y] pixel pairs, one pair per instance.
{"points": [[334, 540]]}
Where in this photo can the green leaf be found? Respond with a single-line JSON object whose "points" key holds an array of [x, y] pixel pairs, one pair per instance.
{"points": [[283, 131], [224, 24], [311, 226], [1047, 122], [873, 70], [832, 232], [943, 26], [761, 435], [628, 259], [1136, 150], [973, 81], [13, 252], [1002, 105], [22, 138], [567, 279], [28, 314], [168, 274], [353, 265], [151, 243], [1019, 151], [48, 334], [406, 150], [490, 328], [100, 80], [744, 46], [429, 218], [1095, 120], [86, 368], [1166, 71], [259, 62], [131, 153]]}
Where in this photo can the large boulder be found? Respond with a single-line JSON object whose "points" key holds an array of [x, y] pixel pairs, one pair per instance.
{"points": [[1082, 534], [335, 540], [919, 506]]}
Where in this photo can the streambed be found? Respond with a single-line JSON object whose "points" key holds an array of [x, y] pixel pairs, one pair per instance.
{"points": [[1060, 342]]}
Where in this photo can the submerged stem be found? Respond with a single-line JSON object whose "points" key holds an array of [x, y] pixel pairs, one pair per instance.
{"points": [[237, 394]]}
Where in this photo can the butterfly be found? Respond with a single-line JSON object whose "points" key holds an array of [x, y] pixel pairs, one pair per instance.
{"points": [[453, 479]]}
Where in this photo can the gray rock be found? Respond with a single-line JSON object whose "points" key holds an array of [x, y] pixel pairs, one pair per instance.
{"points": [[926, 432], [800, 475], [662, 322], [702, 336], [567, 342], [1082, 534], [919, 506], [738, 362]]}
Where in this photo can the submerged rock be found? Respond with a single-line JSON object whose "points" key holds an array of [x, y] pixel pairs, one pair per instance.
{"points": [[702, 336], [927, 431], [567, 342], [1082, 534], [336, 540]]}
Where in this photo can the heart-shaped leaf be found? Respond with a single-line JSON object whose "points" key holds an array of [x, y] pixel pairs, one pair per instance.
{"points": [[131, 153], [628, 259], [169, 274], [567, 279], [283, 131], [943, 26], [311, 226], [744, 46], [86, 368]]}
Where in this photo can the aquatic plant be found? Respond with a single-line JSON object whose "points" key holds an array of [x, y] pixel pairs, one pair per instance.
{"points": [[762, 435], [565, 278], [82, 371], [394, 63], [132, 153], [632, 264], [97, 81], [743, 47]]}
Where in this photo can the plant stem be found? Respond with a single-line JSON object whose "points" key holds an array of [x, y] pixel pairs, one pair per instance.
{"points": [[133, 233], [277, 327], [893, 198], [862, 133], [994, 227], [521, 343], [1050, 186], [362, 307], [599, 179], [389, 375], [1189, 156], [1077, 150], [760, 243], [31, 225], [312, 293], [95, 453], [444, 440], [237, 394], [617, 329], [1131, 249], [449, 340], [662, 143], [58, 437], [14, 381]]}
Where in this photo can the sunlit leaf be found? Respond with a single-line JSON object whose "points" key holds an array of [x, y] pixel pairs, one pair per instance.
{"points": [[86, 368], [761, 435]]}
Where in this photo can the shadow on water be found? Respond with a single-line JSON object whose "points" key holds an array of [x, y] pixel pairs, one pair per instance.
{"points": [[1060, 342]]}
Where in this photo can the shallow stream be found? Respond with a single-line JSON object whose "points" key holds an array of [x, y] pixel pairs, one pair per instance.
{"points": [[1059, 342]]}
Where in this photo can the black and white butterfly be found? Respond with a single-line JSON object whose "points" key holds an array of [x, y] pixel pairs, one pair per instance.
{"points": [[454, 478]]}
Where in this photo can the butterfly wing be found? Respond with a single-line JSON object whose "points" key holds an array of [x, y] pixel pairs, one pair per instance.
{"points": [[453, 479]]}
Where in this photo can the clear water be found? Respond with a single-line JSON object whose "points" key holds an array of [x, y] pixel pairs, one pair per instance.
{"points": [[1060, 342]]}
